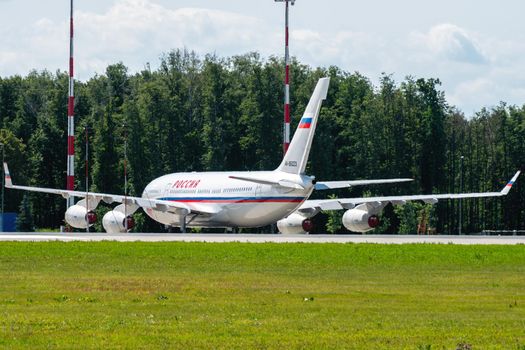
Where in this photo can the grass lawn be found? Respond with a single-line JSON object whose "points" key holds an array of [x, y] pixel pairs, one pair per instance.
{"points": [[105, 295]]}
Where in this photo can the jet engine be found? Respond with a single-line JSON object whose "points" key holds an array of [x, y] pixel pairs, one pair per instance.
{"points": [[294, 224], [79, 217], [115, 221], [359, 220]]}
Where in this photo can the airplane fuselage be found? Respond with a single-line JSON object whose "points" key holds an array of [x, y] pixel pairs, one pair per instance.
{"points": [[228, 202]]}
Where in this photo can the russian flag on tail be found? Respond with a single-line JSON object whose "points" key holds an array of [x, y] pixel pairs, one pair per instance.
{"points": [[305, 123], [507, 188]]}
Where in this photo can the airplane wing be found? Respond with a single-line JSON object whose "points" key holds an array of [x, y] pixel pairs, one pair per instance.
{"points": [[314, 206], [161, 205], [328, 185]]}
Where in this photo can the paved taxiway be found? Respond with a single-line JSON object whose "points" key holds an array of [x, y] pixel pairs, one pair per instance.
{"points": [[259, 238]]}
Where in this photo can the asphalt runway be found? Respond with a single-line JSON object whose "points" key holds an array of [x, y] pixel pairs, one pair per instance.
{"points": [[259, 238]]}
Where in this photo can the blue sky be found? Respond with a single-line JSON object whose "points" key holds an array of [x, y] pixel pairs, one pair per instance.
{"points": [[476, 48]]}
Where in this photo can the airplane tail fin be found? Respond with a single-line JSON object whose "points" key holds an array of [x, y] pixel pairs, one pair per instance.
{"points": [[294, 162], [8, 182]]}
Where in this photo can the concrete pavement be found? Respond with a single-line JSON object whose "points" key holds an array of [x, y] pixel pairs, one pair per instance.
{"points": [[258, 238]]}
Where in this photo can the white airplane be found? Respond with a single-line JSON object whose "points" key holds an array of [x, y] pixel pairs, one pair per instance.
{"points": [[241, 199]]}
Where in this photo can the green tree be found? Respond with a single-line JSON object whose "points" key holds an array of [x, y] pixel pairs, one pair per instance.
{"points": [[24, 220], [334, 223], [216, 133]]}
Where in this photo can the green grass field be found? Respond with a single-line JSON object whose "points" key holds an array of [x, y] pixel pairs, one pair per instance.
{"points": [[278, 296]]}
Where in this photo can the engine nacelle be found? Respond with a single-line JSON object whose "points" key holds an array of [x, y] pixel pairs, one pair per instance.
{"points": [[295, 224], [114, 222], [358, 220], [78, 217]]}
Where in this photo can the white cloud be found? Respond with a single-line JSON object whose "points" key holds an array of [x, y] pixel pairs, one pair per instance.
{"points": [[454, 43], [488, 90], [134, 32], [476, 71], [349, 50], [137, 31]]}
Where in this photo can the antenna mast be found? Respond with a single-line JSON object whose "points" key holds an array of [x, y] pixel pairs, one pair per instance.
{"points": [[71, 117], [286, 129]]}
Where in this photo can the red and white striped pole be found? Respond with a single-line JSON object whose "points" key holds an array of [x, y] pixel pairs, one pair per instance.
{"points": [[71, 117], [286, 129], [286, 139]]}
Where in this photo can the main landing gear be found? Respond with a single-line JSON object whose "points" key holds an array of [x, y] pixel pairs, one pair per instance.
{"points": [[184, 222]]}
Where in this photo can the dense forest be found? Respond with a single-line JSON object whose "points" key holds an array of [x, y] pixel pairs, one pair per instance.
{"points": [[211, 113]]}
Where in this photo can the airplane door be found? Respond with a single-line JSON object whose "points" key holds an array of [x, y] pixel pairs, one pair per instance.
{"points": [[258, 190], [167, 190]]}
